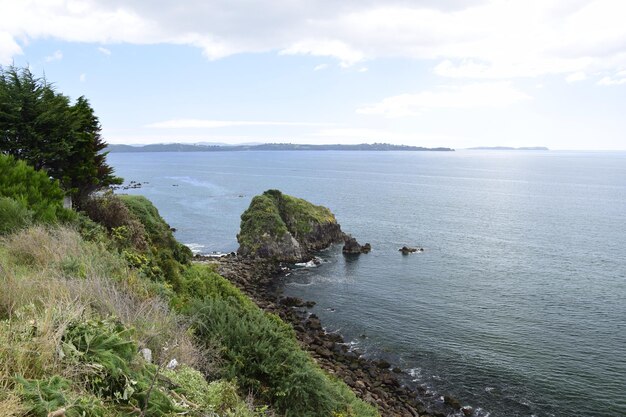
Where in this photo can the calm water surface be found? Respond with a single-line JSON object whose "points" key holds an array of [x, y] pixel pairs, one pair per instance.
{"points": [[518, 304]]}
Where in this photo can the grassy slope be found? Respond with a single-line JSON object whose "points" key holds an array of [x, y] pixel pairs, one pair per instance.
{"points": [[76, 307]]}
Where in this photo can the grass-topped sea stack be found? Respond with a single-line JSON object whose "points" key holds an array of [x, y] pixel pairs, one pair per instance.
{"points": [[285, 228]]}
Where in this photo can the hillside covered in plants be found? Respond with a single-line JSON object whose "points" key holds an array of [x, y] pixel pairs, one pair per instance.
{"points": [[103, 312], [286, 228]]}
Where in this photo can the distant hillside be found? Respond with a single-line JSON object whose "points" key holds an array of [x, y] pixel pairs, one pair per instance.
{"points": [[508, 148], [182, 147]]}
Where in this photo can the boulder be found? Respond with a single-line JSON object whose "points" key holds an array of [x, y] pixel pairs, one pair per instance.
{"points": [[467, 411], [352, 247]]}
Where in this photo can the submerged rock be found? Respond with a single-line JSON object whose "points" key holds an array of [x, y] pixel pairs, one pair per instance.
{"points": [[285, 228], [407, 249]]}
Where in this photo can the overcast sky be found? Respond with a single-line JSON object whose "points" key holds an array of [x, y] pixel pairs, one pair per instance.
{"points": [[456, 73]]}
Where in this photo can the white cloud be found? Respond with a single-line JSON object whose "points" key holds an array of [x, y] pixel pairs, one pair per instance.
{"points": [[482, 39], [56, 56], [347, 55], [8, 48], [576, 76], [212, 124], [477, 95], [104, 51], [606, 81], [320, 67], [82, 78]]}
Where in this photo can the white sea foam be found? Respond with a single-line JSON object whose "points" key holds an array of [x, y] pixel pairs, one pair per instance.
{"points": [[415, 373], [195, 247], [313, 263]]}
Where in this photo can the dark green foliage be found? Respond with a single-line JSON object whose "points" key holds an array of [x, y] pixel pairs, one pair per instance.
{"points": [[32, 189], [107, 349], [42, 127], [49, 395], [263, 354], [107, 344], [13, 215], [200, 282]]}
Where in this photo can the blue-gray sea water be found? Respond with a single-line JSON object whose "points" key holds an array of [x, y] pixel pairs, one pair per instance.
{"points": [[517, 306]]}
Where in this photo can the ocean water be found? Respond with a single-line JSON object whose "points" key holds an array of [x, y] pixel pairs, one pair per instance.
{"points": [[517, 306]]}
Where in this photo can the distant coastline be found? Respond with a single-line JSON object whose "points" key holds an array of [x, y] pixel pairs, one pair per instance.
{"points": [[508, 148], [183, 147]]}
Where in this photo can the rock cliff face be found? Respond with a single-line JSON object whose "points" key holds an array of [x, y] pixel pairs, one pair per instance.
{"points": [[286, 228]]}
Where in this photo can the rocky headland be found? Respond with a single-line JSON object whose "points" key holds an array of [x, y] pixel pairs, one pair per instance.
{"points": [[278, 230], [283, 228]]}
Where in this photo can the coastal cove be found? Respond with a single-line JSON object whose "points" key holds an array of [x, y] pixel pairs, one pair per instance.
{"points": [[516, 305]]}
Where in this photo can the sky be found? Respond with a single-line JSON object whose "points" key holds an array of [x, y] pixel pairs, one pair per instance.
{"points": [[455, 73]]}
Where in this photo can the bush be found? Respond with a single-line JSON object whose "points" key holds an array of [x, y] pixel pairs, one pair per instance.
{"points": [[106, 352], [143, 237], [110, 211], [48, 395], [219, 397], [13, 215], [159, 232], [32, 189], [262, 352]]}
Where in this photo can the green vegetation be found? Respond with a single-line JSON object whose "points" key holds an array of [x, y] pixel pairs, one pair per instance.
{"points": [[272, 215], [76, 309], [261, 220], [94, 305], [14, 215], [32, 190], [262, 352], [40, 126]]}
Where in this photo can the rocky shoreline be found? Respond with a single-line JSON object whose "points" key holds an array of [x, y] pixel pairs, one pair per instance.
{"points": [[375, 381]]}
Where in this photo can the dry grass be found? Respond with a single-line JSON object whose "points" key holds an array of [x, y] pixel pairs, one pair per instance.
{"points": [[155, 324], [40, 296], [10, 405], [41, 246], [30, 340]]}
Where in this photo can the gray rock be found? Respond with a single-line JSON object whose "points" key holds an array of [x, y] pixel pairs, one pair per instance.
{"points": [[172, 364], [146, 354], [352, 247]]}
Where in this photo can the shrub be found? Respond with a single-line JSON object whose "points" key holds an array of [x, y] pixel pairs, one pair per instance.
{"points": [[107, 354], [14, 215], [110, 211], [31, 188], [144, 238], [263, 354], [219, 397], [159, 232], [48, 395]]}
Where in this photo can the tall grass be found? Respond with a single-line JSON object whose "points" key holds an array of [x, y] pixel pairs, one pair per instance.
{"points": [[50, 277]]}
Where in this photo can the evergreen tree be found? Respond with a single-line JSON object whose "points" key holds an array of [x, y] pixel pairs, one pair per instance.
{"points": [[42, 127]]}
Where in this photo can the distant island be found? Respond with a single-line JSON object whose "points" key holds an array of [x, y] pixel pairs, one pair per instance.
{"points": [[184, 147], [508, 148]]}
